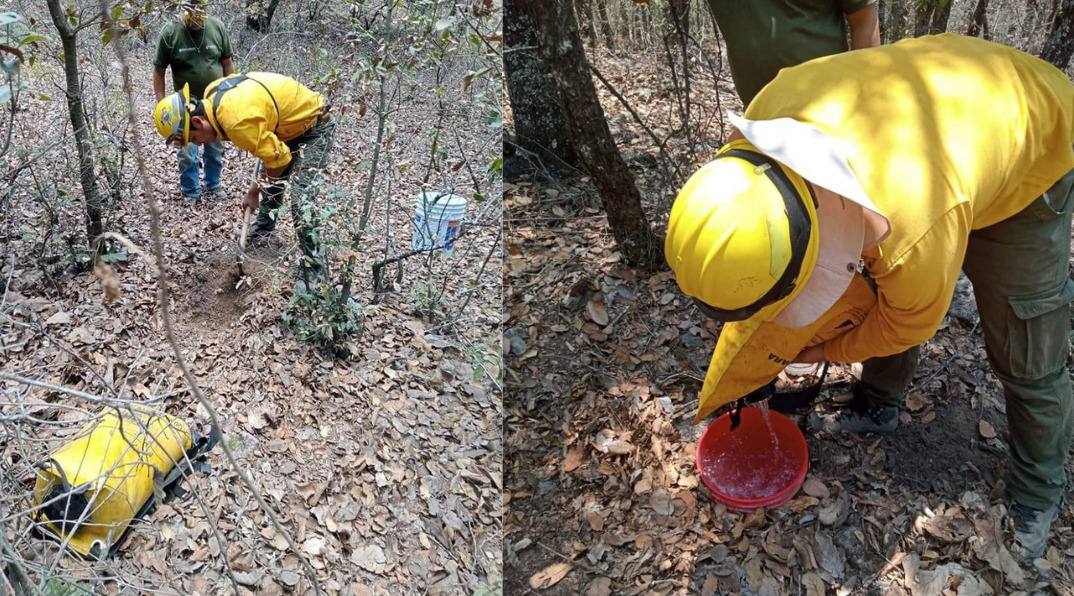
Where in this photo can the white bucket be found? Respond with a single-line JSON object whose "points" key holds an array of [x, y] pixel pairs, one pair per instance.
{"points": [[436, 221]]}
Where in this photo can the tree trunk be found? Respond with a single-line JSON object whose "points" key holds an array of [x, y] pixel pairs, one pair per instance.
{"points": [[259, 14], [77, 113], [540, 122], [585, 19], [679, 10], [678, 16], [1060, 43], [605, 26], [896, 22], [979, 22], [940, 16], [647, 25], [589, 131], [923, 16]]}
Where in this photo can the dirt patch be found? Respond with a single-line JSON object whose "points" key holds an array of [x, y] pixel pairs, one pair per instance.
{"points": [[946, 456], [217, 297]]}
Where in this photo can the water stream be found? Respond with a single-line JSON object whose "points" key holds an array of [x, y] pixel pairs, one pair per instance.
{"points": [[743, 467], [766, 413]]}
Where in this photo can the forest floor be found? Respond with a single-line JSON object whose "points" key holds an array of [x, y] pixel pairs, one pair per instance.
{"points": [[385, 467], [604, 364]]}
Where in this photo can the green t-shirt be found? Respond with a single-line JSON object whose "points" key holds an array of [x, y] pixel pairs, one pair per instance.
{"points": [[194, 56], [764, 36]]}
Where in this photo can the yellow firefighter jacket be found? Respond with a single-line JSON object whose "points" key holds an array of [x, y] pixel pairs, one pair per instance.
{"points": [[261, 113], [947, 134]]}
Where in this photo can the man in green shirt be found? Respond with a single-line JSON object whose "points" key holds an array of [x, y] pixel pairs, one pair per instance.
{"points": [[198, 50], [764, 36]]}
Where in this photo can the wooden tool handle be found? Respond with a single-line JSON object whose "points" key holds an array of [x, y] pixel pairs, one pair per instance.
{"points": [[246, 213]]}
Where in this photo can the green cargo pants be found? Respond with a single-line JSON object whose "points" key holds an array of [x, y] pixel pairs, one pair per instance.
{"points": [[309, 155], [1021, 279]]}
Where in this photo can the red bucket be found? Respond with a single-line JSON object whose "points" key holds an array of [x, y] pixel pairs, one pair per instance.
{"points": [[747, 469]]}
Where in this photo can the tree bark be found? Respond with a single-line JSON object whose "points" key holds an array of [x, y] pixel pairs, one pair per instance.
{"points": [[678, 16], [979, 22], [896, 28], [259, 14], [923, 17], [540, 122], [605, 25], [77, 113], [647, 25], [679, 11], [589, 131], [940, 17], [1059, 45], [585, 19]]}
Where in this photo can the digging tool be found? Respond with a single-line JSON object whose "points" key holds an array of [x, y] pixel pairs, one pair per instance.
{"points": [[240, 247]]}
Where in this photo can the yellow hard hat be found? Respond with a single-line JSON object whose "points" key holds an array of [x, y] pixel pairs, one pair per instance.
{"points": [[172, 116], [742, 238]]}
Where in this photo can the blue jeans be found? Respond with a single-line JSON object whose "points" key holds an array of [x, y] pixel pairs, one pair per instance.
{"points": [[213, 155]]}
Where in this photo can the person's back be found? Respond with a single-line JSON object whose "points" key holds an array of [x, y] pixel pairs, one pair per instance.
{"points": [[945, 135], [920, 125], [262, 113], [764, 36]]}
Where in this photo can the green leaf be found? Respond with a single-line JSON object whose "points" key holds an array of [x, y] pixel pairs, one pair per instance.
{"points": [[444, 23], [107, 37], [31, 38], [117, 10], [44, 97]]}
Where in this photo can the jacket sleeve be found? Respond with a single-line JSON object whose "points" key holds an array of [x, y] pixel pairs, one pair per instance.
{"points": [[254, 135], [913, 295]]}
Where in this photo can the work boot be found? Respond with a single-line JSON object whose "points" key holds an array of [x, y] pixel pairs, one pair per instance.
{"points": [[880, 419], [858, 416], [190, 200], [263, 226], [217, 193], [1031, 529]]}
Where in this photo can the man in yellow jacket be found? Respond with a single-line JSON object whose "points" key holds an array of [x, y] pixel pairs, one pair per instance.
{"points": [[274, 118], [905, 163]]}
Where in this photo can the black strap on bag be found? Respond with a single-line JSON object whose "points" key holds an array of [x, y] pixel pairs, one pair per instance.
{"points": [[784, 402], [230, 83]]}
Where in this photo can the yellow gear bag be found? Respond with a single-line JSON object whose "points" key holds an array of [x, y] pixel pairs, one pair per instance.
{"points": [[90, 490], [749, 354]]}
